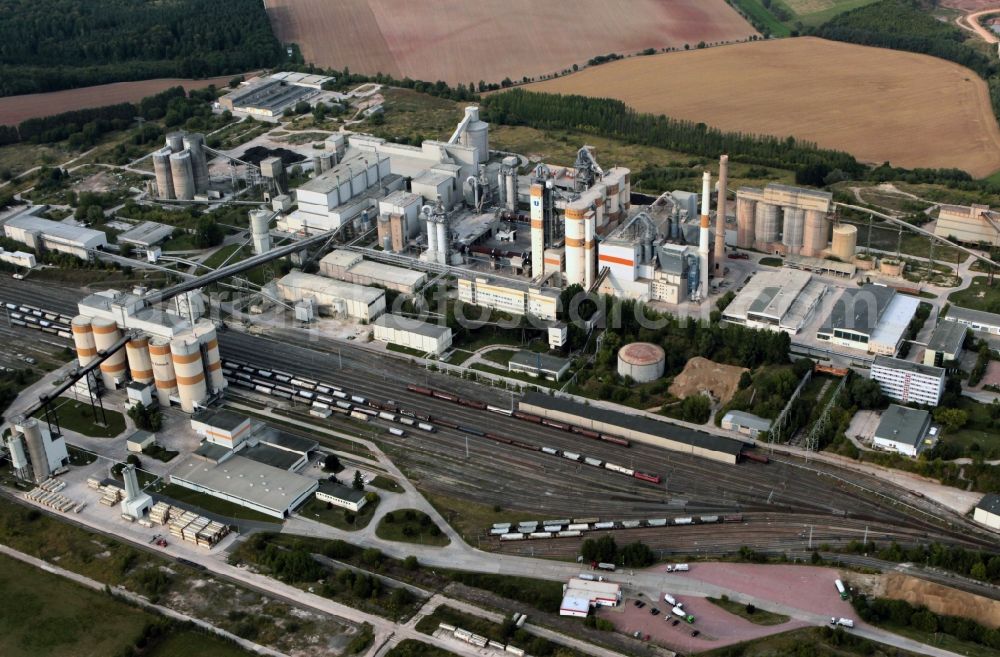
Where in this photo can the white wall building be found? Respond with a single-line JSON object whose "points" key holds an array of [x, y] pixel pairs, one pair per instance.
{"points": [[908, 382], [579, 595], [903, 430], [872, 318], [334, 297], [977, 320], [42, 234], [345, 497], [988, 511], [413, 334], [349, 266], [509, 297]]}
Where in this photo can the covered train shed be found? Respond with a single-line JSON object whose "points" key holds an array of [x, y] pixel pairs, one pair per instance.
{"points": [[637, 428]]}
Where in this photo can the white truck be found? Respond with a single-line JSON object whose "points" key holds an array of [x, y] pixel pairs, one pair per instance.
{"points": [[678, 568], [683, 615], [845, 622], [671, 600]]}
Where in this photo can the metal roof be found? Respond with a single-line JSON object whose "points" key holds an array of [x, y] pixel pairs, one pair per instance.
{"points": [[990, 503], [749, 420], [540, 362], [341, 492], [895, 320], [146, 233], [859, 309], [908, 366], [246, 479], [948, 337], [903, 425], [971, 316], [638, 423], [55, 229], [220, 418], [284, 440], [278, 458], [212, 452], [323, 285], [410, 325]]}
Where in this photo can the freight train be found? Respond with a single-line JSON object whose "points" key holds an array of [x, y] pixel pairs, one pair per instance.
{"points": [[536, 529]]}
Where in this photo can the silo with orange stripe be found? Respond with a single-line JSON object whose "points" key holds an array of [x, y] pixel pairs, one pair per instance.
{"points": [[83, 339], [140, 364], [106, 334], [213, 362], [163, 369], [191, 387]]}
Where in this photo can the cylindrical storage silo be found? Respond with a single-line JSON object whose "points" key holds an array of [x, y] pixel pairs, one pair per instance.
{"points": [[614, 202], [164, 178], [845, 242], [432, 239], [746, 210], [140, 364], [106, 334], [317, 165], [212, 361], [182, 173], [575, 228], [766, 223], [32, 431], [512, 190], [625, 197], [175, 142], [642, 361], [792, 228], [163, 370], [260, 231], [326, 161], [191, 387], [814, 237], [589, 252], [195, 143], [442, 240], [83, 339]]}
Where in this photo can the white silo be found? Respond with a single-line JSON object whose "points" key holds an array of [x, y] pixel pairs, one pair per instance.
{"points": [[575, 234], [432, 240], [191, 387], [817, 229], [164, 178], [261, 235], [175, 142], [845, 242], [195, 143], [766, 224], [106, 334], [140, 364], [182, 172], [18, 459], [589, 260], [212, 361], [442, 239], [32, 431], [477, 133], [163, 369], [792, 229], [83, 339]]}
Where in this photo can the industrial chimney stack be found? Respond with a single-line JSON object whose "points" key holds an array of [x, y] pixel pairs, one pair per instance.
{"points": [[720, 219], [703, 248]]}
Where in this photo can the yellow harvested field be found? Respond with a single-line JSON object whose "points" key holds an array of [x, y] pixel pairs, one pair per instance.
{"points": [[880, 105], [460, 41]]}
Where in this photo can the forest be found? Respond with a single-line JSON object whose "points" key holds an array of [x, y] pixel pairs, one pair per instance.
{"points": [[47, 45]]}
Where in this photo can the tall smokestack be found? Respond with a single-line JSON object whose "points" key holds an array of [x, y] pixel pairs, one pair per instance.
{"points": [[706, 204], [720, 219], [537, 227]]}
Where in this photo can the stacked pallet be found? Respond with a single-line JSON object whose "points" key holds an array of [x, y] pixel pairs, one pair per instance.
{"points": [[178, 524], [94, 483], [190, 532], [196, 529], [160, 513], [52, 485], [212, 534], [53, 500], [110, 495]]}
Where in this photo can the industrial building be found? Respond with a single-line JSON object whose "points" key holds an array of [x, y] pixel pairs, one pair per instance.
{"points": [[904, 430], [181, 167], [538, 365], [333, 297], [745, 423], [307, 80], [987, 512], [179, 356], [350, 266], [977, 320], [18, 258], [871, 318], [347, 192], [634, 427], [579, 595], [398, 220], [945, 343], [971, 224], [146, 234], [34, 452], [783, 219], [509, 296], [413, 334], [269, 97], [641, 361], [40, 234], [221, 427], [908, 383], [783, 300], [340, 495]]}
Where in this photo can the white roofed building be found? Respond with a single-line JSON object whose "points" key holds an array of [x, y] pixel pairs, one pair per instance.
{"points": [[334, 297], [42, 234]]}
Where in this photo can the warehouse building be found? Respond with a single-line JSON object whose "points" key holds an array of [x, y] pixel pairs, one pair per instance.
{"points": [[413, 334], [221, 427], [334, 297], [988, 511], [246, 482], [782, 300], [872, 318], [579, 595], [349, 266], [346, 497], [18, 258], [634, 427], [41, 234], [347, 191], [908, 383], [970, 224], [146, 234], [904, 430], [745, 423], [534, 364], [265, 97], [509, 297], [945, 343], [977, 320]]}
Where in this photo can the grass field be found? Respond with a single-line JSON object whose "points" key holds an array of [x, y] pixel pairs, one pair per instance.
{"points": [[815, 12], [758, 617], [316, 509], [77, 416], [978, 296], [213, 504], [410, 526], [761, 16], [462, 42], [871, 102]]}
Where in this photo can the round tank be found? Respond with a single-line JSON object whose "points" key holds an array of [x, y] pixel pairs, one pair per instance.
{"points": [[442, 240], [163, 370], [625, 197], [766, 223], [260, 231], [191, 387], [83, 339], [175, 141], [845, 242], [106, 333], [213, 362], [195, 143], [792, 228], [432, 239], [512, 190], [326, 161], [164, 178], [139, 363], [183, 175], [36, 448], [574, 247], [317, 165], [814, 238], [643, 361], [746, 210]]}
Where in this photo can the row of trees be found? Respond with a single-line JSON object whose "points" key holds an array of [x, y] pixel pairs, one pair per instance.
{"points": [[46, 45], [605, 549], [900, 613]]}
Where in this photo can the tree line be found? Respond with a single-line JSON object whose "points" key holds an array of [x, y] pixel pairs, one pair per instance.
{"points": [[47, 45]]}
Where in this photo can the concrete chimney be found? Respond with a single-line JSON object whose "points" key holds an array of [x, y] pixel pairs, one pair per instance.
{"points": [[703, 248], [720, 219]]}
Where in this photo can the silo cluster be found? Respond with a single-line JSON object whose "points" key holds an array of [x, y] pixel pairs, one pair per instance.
{"points": [[785, 219], [163, 370], [181, 167], [185, 352], [83, 340], [139, 361], [106, 334], [845, 242]]}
